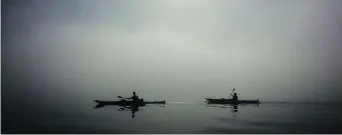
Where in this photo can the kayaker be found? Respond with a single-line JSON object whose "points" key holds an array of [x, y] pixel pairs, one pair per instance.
{"points": [[235, 97], [135, 98]]}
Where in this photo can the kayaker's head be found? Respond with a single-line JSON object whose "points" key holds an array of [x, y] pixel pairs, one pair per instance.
{"points": [[134, 93], [235, 94]]}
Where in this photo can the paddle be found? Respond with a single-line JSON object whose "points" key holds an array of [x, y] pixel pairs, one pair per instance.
{"points": [[121, 97], [231, 93]]}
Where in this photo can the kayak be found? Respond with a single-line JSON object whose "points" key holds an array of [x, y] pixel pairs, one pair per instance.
{"points": [[230, 101], [127, 103]]}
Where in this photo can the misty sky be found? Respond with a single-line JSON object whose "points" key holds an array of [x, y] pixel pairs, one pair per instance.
{"points": [[179, 50]]}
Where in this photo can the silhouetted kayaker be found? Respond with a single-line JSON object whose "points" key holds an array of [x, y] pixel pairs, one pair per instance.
{"points": [[135, 99], [235, 97]]}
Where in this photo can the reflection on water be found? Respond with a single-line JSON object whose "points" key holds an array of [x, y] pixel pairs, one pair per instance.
{"points": [[234, 108], [176, 118], [132, 108]]}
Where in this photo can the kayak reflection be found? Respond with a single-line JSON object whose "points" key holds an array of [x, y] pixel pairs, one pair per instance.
{"points": [[234, 108], [133, 109]]}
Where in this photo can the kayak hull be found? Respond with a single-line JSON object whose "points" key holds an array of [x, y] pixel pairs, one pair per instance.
{"points": [[127, 103], [230, 101]]}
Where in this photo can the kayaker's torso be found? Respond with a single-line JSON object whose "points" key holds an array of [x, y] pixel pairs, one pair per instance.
{"points": [[135, 99], [235, 97]]}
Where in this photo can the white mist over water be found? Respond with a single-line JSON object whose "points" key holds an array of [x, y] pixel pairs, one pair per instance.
{"points": [[58, 56], [173, 50]]}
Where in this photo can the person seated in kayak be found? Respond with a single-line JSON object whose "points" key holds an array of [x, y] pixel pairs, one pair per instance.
{"points": [[235, 97], [135, 98]]}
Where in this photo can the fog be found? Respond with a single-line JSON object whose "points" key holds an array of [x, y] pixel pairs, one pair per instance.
{"points": [[272, 50]]}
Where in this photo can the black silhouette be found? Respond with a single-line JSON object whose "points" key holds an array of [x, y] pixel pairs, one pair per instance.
{"points": [[125, 104], [233, 100], [235, 97]]}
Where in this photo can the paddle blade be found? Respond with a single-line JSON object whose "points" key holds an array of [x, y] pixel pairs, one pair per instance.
{"points": [[119, 97]]}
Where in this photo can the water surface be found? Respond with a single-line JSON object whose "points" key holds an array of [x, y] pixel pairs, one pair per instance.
{"points": [[176, 117]]}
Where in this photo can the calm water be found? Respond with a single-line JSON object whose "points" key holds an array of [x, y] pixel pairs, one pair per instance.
{"points": [[173, 118]]}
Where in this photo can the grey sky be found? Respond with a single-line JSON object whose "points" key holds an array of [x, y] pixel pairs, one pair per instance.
{"points": [[179, 49]]}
